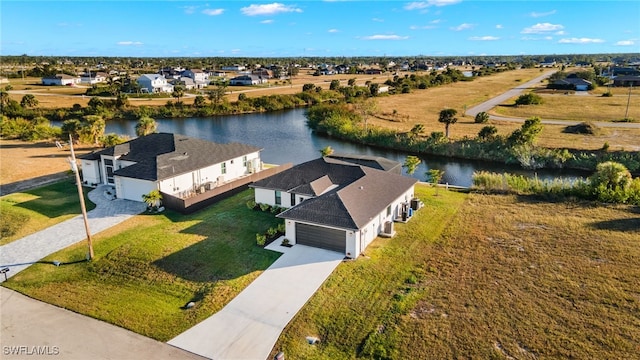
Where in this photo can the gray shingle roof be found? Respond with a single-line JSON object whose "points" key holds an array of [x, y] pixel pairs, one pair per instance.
{"points": [[162, 155], [361, 193]]}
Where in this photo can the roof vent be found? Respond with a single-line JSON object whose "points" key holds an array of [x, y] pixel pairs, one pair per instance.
{"points": [[361, 187]]}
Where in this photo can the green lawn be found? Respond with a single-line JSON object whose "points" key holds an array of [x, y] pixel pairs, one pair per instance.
{"points": [[150, 266], [29, 211]]}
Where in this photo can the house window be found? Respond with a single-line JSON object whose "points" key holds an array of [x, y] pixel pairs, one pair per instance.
{"points": [[223, 168], [244, 161], [293, 199], [389, 210], [278, 198]]}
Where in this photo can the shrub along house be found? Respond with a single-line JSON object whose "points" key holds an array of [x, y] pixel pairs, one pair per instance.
{"points": [[341, 202], [176, 165]]}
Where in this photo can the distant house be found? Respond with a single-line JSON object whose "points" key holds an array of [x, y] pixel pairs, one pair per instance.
{"points": [[626, 80], [154, 83], [341, 203], [263, 73], [183, 81], [234, 67], [93, 78], [174, 164], [572, 83], [373, 71], [247, 80], [198, 75], [60, 79]]}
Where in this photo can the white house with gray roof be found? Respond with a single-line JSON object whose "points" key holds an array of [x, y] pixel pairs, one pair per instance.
{"points": [[339, 203], [174, 164], [154, 83]]}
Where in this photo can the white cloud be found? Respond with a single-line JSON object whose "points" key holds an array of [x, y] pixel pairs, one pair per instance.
{"points": [[580, 41], [189, 9], [625, 43], [419, 5], [377, 20], [213, 12], [542, 14], [541, 28], [461, 27], [385, 37], [268, 9], [484, 38], [499, 26], [266, 21], [425, 27], [129, 43], [333, 30]]}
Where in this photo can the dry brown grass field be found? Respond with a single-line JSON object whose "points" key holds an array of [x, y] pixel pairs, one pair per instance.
{"points": [[476, 276], [21, 160], [578, 107], [518, 278]]}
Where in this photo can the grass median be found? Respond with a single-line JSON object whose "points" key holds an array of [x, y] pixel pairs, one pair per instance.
{"points": [[27, 212], [149, 267]]}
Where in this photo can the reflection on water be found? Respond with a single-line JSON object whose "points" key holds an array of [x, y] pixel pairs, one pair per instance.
{"points": [[285, 137]]}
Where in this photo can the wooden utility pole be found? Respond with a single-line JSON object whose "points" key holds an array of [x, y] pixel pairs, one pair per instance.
{"points": [[74, 168]]}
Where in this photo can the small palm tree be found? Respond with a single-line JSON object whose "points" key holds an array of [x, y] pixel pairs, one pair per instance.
{"points": [[152, 199], [411, 163], [434, 176], [326, 151]]}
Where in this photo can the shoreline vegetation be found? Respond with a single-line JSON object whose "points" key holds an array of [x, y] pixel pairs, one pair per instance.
{"points": [[345, 112]]}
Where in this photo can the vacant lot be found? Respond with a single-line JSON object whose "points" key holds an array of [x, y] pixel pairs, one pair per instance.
{"points": [[578, 107], [509, 278], [21, 160]]}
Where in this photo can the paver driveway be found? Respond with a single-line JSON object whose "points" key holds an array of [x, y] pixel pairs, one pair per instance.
{"points": [[20, 254], [249, 326]]}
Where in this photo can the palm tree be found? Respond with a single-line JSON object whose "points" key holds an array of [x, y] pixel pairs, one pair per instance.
{"points": [[93, 128], [153, 198], [448, 117], [146, 126], [29, 101], [411, 163], [178, 92], [326, 151]]}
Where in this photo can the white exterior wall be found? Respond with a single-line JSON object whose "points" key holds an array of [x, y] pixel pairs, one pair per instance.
{"points": [[290, 231], [268, 196], [265, 196], [91, 172], [133, 189], [353, 246], [177, 184]]}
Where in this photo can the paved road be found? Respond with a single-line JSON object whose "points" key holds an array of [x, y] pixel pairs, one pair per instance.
{"points": [[249, 326], [22, 253], [500, 99], [29, 327], [491, 103]]}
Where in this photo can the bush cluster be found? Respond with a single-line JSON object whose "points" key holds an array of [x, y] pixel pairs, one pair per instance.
{"points": [[611, 183]]}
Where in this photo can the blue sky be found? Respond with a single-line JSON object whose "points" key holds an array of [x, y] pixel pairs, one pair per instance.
{"points": [[317, 28]]}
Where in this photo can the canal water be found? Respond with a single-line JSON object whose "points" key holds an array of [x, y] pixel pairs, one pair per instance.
{"points": [[285, 137]]}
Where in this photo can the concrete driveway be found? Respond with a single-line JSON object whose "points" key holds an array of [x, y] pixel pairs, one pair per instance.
{"points": [[22, 253], [31, 329], [249, 326]]}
